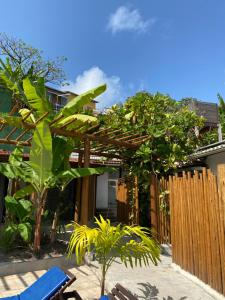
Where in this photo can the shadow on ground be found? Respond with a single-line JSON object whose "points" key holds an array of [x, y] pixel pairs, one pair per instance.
{"points": [[151, 292]]}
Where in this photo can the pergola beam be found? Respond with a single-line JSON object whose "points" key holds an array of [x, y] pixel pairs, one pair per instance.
{"points": [[91, 137], [14, 142], [99, 153]]}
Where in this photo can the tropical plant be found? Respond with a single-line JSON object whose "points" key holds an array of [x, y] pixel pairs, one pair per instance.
{"points": [[48, 165], [221, 112], [19, 221], [133, 245], [169, 126]]}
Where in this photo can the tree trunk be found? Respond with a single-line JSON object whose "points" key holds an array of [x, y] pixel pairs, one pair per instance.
{"points": [[54, 226], [103, 280], [37, 231]]}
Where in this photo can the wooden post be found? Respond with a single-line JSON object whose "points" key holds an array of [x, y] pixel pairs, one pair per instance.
{"points": [[77, 212], [136, 202], [85, 185], [92, 196], [153, 203]]}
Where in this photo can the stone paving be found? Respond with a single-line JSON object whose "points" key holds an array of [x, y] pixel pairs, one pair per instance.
{"points": [[160, 282], [149, 283]]}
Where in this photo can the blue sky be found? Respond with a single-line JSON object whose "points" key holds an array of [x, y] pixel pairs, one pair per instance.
{"points": [[175, 47]]}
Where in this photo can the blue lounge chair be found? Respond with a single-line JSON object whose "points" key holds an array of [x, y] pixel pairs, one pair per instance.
{"points": [[50, 286]]}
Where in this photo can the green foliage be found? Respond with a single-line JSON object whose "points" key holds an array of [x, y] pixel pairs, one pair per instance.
{"points": [[74, 105], [36, 96], [132, 244], [63, 178], [80, 119], [222, 113], [41, 153], [20, 209], [169, 125], [208, 137], [18, 224], [62, 148], [48, 164]]}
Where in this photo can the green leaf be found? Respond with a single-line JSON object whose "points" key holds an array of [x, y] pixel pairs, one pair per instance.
{"points": [[27, 190], [24, 209], [24, 112], [25, 230], [7, 77], [7, 236], [18, 208], [11, 120], [79, 119], [66, 176], [129, 115], [11, 172], [41, 152], [132, 244], [78, 102], [36, 97], [11, 205], [62, 148], [16, 157]]}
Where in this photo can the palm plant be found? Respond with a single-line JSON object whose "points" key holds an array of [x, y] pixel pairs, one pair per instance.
{"points": [[131, 244]]}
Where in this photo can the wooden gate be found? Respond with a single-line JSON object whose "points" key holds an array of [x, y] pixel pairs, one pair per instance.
{"points": [[197, 207], [127, 200]]}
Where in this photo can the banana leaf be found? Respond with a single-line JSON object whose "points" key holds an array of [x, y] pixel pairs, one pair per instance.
{"points": [[78, 102]]}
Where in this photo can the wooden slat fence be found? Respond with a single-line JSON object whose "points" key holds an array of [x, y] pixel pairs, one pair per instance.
{"points": [[197, 225], [127, 200], [160, 209]]}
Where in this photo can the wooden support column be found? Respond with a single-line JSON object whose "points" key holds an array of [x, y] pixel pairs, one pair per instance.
{"points": [[154, 203], [136, 201], [77, 210], [92, 196], [85, 185]]}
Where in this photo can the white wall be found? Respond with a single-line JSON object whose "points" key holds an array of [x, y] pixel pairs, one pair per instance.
{"points": [[214, 160], [102, 191]]}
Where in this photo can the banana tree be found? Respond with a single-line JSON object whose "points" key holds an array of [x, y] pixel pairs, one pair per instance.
{"points": [[47, 168], [42, 172]]}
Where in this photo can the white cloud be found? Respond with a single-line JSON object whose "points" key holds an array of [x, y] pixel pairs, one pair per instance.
{"points": [[125, 19], [94, 77]]}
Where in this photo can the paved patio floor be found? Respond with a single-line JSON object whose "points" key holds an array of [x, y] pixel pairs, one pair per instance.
{"points": [[152, 283]]}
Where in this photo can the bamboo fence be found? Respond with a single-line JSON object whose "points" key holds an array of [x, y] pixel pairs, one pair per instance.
{"points": [[197, 225]]}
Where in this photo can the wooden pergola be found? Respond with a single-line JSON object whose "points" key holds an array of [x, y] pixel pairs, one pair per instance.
{"points": [[95, 140]]}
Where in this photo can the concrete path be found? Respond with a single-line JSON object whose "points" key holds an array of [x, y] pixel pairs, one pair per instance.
{"points": [[152, 283], [160, 282]]}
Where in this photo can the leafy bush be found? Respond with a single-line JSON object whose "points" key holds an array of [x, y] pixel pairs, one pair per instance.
{"points": [[18, 226]]}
